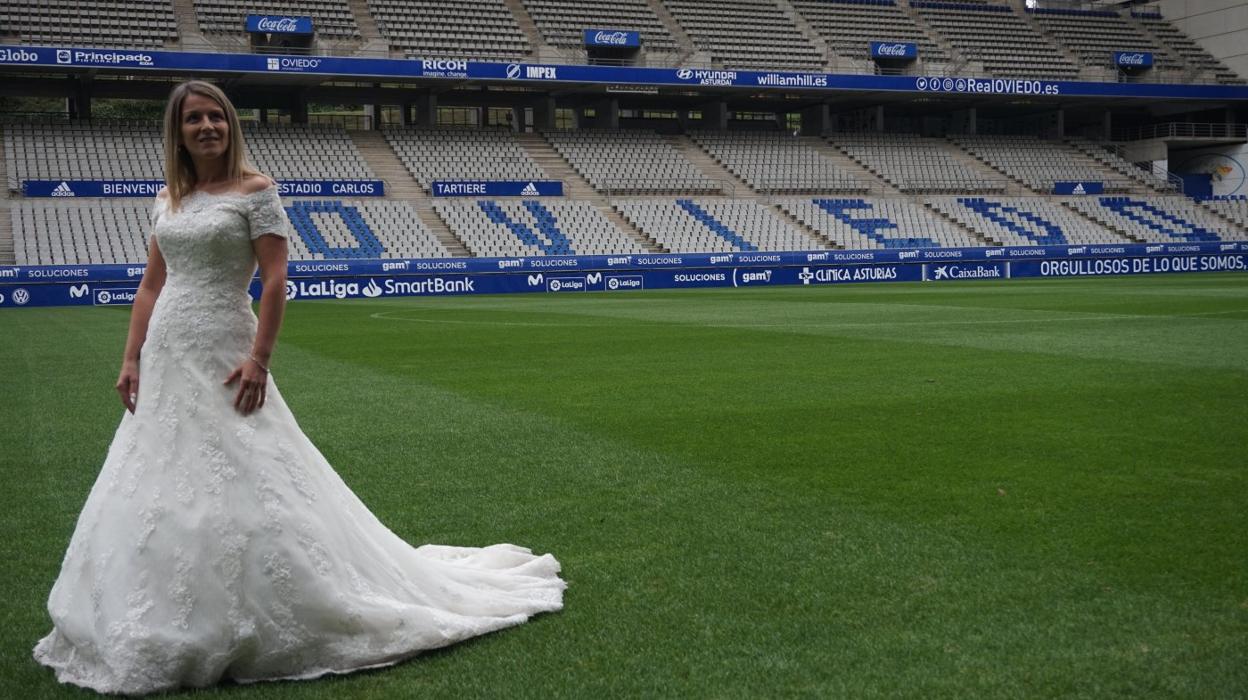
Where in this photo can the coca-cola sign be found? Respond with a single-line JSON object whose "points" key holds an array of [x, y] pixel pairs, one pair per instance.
{"points": [[894, 50], [613, 38], [1133, 59], [279, 24]]}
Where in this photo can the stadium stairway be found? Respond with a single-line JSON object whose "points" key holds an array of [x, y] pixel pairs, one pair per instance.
{"points": [[530, 30], [370, 35], [809, 33], [188, 27], [400, 185], [703, 161], [944, 216], [689, 53], [7, 254], [576, 187], [1085, 72], [844, 162]]}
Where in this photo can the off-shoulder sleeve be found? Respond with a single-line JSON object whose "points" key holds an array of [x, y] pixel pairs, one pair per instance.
{"points": [[265, 215]]}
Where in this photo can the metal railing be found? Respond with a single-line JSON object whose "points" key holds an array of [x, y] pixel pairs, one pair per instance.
{"points": [[1191, 130]]}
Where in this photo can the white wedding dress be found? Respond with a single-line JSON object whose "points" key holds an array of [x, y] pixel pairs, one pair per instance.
{"points": [[216, 546]]}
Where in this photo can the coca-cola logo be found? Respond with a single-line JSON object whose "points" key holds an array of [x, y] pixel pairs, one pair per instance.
{"points": [[892, 49], [611, 38], [278, 24], [1131, 59]]}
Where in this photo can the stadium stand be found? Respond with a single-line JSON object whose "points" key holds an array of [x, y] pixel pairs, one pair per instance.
{"points": [[484, 29], [1094, 36], [141, 24], [713, 225], [1037, 163], [914, 164], [1003, 41], [1161, 219], [330, 18], [562, 22], [532, 227], [629, 161], [121, 150], [1103, 154], [775, 162], [746, 34], [849, 27], [336, 229], [864, 224], [306, 152], [1023, 221], [462, 154], [1180, 44], [1234, 209], [81, 232]]}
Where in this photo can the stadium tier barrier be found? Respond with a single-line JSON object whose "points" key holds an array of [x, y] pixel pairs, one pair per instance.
{"points": [[108, 285]]}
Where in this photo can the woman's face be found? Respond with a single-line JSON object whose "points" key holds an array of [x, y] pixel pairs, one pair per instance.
{"points": [[205, 131]]}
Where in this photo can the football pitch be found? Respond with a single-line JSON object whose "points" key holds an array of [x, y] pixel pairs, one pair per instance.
{"points": [[980, 489]]}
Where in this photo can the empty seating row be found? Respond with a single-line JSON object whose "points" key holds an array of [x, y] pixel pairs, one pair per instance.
{"points": [[775, 162], [915, 164], [481, 28], [850, 27], [563, 22], [1005, 43], [713, 225], [1094, 36], [306, 152], [1023, 221], [1037, 163], [1167, 219], [331, 18], [131, 24], [629, 161], [462, 154], [746, 33], [500, 228], [857, 223]]}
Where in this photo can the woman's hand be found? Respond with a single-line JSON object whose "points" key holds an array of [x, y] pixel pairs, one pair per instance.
{"points": [[253, 381], [128, 384]]}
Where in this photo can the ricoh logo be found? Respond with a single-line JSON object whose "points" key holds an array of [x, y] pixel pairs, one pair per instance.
{"points": [[278, 24], [891, 50], [444, 65], [1131, 59], [21, 56], [718, 259], [509, 264], [611, 38]]}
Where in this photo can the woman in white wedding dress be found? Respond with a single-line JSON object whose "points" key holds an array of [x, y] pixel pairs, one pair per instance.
{"points": [[217, 543]]}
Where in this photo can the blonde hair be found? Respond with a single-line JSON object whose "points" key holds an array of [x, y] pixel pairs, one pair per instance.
{"points": [[180, 176]]}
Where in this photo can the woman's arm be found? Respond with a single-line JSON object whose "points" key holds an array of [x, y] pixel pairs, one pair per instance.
{"points": [[271, 255], [149, 290]]}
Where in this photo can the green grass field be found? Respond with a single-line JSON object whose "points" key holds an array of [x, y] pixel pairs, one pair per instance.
{"points": [[1029, 488]]}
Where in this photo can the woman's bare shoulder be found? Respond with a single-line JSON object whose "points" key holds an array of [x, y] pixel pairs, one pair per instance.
{"points": [[256, 182], [163, 193]]}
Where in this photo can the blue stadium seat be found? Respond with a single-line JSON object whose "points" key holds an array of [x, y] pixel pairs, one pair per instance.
{"points": [[1175, 227], [554, 243], [1052, 233], [871, 228], [300, 213], [715, 225]]}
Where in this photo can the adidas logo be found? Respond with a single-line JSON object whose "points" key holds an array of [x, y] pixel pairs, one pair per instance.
{"points": [[530, 190], [62, 190], [1079, 189]]}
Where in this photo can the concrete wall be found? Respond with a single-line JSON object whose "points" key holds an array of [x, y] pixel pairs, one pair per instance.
{"points": [[1220, 26]]}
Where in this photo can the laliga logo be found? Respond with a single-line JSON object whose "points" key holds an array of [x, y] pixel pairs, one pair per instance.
{"points": [[613, 283], [611, 38], [277, 24], [891, 50], [513, 71], [292, 291], [103, 297], [684, 74]]}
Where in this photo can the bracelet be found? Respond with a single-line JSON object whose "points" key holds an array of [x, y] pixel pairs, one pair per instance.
{"points": [[259, 364]]}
